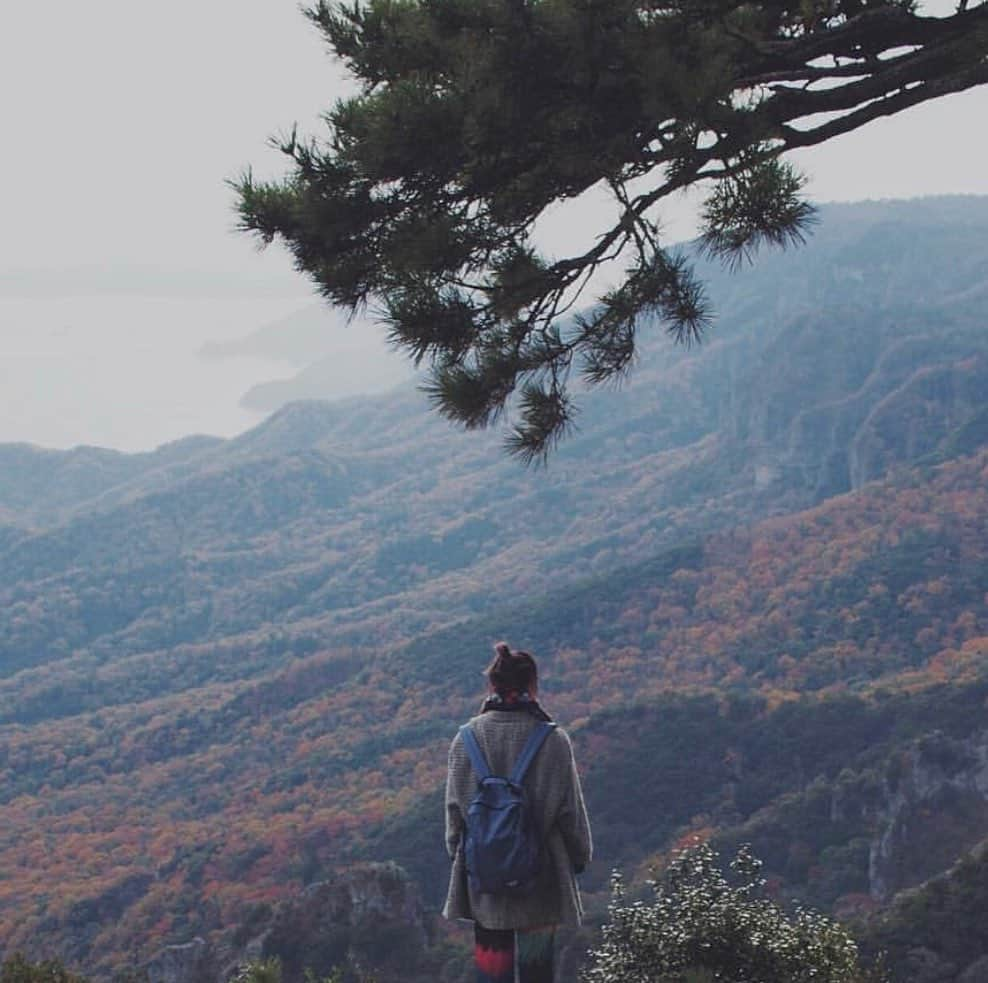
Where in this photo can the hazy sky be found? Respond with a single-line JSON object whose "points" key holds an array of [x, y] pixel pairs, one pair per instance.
{"points": [[118, 257]]}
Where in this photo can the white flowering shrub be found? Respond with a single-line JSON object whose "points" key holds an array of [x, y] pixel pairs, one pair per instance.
{"points": [[700, 926]]}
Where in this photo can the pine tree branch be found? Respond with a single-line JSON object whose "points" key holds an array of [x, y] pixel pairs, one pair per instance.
{"points": [[473, 119], [888, 106]]}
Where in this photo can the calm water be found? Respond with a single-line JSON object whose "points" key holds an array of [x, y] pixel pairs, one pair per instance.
{"points": [[125, 371]]}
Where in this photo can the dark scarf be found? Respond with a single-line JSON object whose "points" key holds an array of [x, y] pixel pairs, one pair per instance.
{"points": [[516, 702]]}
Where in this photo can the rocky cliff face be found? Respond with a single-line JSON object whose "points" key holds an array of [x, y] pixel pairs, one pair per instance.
{"points": [[824, 423], [917, 415], [193, 962], [368, 918], [936, 807], [935, 933]]}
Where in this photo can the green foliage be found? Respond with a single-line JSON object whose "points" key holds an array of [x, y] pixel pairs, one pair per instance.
{"points": [[473, 118], [270, 971], [336, 976], [761, 205], [17, 969], [260, 971], [700, 926]]}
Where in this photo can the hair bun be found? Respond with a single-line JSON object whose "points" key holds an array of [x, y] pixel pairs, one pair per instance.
{"points": [[511, 671]]}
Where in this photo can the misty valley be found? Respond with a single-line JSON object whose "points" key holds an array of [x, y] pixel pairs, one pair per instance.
{"points": [[754, 576]]}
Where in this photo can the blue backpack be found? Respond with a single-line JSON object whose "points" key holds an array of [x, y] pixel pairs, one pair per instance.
{"points": [[503, 842]]}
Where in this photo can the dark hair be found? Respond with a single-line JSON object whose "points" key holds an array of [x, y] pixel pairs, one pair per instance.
{"points": [[511, 671]]}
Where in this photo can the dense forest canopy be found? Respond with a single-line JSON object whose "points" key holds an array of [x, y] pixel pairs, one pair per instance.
{"points": [[472, 118]]}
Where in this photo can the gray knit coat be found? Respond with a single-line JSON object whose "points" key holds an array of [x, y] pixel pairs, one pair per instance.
{"points": [[553, 787]]}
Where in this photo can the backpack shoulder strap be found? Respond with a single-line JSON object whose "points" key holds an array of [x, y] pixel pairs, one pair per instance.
{"points": [[529, 751], [477, 758]]}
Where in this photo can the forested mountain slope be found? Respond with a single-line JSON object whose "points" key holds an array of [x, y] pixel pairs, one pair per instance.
{"points": [[230, 666], [374, 518]]}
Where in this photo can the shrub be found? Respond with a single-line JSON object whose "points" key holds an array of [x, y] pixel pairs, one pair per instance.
{"points": [[700, 927], [17, 969]]}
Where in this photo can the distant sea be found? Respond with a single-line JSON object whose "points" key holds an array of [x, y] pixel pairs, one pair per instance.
{"points": [[124, 371]]}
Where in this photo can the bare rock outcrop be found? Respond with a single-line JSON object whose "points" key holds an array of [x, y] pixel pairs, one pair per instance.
{"points": [[189, 963], [368, 917], [936, 806]]}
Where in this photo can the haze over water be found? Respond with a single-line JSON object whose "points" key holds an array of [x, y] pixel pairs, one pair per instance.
{"points": [[124, 371]]}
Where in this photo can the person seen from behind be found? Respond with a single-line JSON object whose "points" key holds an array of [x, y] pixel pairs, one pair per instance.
{"points": [[515, 923]]}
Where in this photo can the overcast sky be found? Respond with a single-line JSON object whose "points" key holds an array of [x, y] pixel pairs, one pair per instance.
{"points": [[118, 257]]}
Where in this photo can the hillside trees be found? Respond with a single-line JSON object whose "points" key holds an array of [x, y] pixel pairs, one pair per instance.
{"points": [[473, 118]]}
